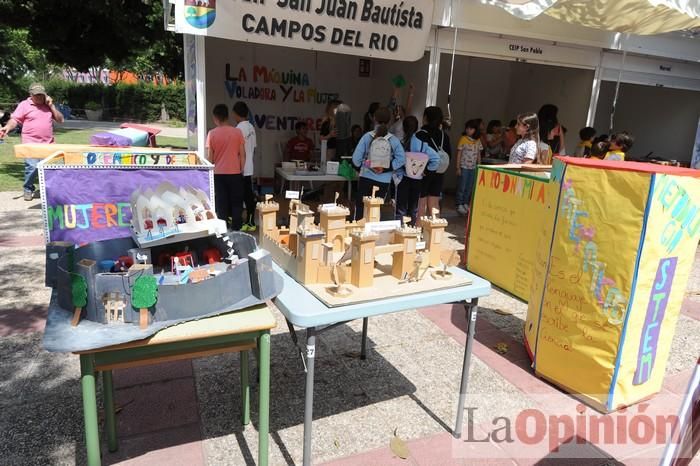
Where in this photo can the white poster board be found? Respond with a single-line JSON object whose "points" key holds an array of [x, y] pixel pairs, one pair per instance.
{"points": [[396, 30]]}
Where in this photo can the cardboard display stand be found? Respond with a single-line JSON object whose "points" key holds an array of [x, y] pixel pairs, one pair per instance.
{"points": [[85, 195], [506, 214], [609, 277]]}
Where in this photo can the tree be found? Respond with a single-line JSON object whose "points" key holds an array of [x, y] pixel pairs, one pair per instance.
{"points": [[84, 34], [78, 296], [144, 295]]}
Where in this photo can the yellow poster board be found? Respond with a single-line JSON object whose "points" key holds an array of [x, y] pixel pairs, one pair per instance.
{"points": [[507, 211], [672, 234], [601, 320]]}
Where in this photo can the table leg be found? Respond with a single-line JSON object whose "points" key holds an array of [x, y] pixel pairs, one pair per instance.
{"points": [[309, 398], [92, 435], [264, 399], [245, 388], [110, 418], [363, 351], [471, 309]]}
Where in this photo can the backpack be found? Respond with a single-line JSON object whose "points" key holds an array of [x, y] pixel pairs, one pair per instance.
{"points": [[416, 162], [444, 156], [380, 152]]}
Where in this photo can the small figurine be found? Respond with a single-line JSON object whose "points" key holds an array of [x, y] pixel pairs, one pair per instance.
{"points": [[339, 289], [444, 274]]}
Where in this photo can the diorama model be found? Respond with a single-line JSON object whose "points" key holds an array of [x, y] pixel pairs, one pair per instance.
{"points": [[169, 212], [338, 258], [184, 270]]}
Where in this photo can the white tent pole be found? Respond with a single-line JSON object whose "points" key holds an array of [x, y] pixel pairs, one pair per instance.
{"points": [[433, 70], [452, 70], [619, 79], [595, 92], [190, 89], [201, 94]]}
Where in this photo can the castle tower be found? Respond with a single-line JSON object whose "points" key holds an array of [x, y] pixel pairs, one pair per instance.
{"points": [[333, 223], [267, 217], [300, 216], [433, 231], [310, 254], [373, 207], [305, 217], [362, 270], [402, 261]]}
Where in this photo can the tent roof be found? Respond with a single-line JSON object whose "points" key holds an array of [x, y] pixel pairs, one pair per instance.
{"points": [[632, 16]]}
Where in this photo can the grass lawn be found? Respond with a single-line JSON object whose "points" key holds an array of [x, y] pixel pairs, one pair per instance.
{"points": [[12, 169]]}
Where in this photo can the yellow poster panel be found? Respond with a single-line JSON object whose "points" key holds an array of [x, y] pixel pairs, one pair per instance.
{"points": [[590, 273], [672, 235], [507, 212], [539, 270]]}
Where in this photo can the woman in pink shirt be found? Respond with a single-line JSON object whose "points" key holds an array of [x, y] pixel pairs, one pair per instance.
{"points": [[36, 114], [226, 150]]}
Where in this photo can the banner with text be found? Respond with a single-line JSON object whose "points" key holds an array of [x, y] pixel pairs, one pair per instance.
{"points": [[508, 210], [93, 204], [601, 320], [671, 238], [396, 30], [590, 278]]}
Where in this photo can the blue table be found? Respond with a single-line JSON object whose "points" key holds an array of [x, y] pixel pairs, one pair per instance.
{"points": [[304, 310]]}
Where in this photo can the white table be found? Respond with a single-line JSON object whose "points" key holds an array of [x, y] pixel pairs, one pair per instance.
{"points": [[301, 309], [291, 176]]}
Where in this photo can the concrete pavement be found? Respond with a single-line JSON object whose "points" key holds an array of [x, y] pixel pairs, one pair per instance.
{"points": [[187, 412]]}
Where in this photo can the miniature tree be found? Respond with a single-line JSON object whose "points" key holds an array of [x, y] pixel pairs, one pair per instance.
{"points": [[78, 296], [144, 295]]}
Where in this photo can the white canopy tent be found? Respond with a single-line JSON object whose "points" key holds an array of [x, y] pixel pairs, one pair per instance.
{"points": [[641, 17]]}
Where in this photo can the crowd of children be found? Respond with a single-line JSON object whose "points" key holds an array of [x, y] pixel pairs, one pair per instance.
{"points": [[395, 154]]}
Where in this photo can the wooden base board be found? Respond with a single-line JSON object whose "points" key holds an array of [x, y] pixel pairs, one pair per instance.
{"points": [[385, 286]]}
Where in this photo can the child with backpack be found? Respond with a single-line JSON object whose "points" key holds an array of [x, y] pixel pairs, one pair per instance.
{"points": [[432, 134], [419, 158], [378, 155]]}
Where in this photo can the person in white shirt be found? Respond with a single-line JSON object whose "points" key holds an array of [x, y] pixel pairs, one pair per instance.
{"points": [[240, 115], [526, 149]]}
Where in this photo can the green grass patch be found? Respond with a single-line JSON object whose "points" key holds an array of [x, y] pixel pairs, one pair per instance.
{"points": [[12, 169]]}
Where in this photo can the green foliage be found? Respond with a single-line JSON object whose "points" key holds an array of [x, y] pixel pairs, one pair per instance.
{"points": [[140, 102], [144, 294], [92, 105], [127, 34], [78, 290]]}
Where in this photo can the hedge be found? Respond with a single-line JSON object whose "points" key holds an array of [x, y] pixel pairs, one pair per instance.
{"points": [[141, 102]]}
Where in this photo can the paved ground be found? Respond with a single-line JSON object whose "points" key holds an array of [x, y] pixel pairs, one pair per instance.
{"points": [[186, 413]]}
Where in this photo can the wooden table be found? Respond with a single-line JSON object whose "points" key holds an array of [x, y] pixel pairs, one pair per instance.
{"points": [[238, 331], [302, 309]]}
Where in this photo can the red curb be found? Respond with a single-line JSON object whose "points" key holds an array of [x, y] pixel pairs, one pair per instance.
{"points": [[26, 241], [26, 320], [435, 450], [691, 308], [678, 383], [179, 446]]}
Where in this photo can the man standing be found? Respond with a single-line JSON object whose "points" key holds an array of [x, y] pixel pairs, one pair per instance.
{"points": [[36, 115], [241, 114]]}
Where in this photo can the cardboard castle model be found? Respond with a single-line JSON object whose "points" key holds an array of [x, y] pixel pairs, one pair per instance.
{"points": [[340, 252], [193, 274], [170, 212]]}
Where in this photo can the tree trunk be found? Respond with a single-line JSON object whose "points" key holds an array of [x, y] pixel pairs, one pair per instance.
{"points": [[76, 316], [143, 318]]}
